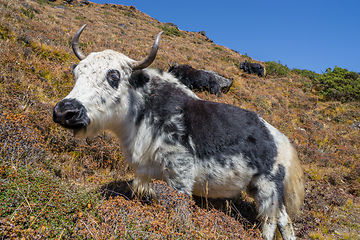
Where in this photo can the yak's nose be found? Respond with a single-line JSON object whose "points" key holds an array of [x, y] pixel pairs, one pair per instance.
{"points": [[70, 113]]}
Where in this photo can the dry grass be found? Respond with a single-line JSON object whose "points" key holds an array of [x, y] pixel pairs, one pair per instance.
{"points": [[171, 216], [39, 156]]}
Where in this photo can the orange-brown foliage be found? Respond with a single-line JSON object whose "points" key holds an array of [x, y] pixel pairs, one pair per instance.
{"points": [[171, 216]]}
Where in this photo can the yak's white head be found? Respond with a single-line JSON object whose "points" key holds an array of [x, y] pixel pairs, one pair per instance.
{"points": [[100, 94]]}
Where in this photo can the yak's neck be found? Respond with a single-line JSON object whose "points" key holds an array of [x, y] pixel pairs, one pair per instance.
{"points": [[149, 108], [131, 123]]}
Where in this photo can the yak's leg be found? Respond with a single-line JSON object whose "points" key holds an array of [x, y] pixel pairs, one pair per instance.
{"points": [[265, 194], [269, 227], [284, 225], [179, 172], [268, 193]]}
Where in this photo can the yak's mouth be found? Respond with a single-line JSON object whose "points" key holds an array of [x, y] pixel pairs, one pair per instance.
{"points": [[75, 127], [71, 114]]}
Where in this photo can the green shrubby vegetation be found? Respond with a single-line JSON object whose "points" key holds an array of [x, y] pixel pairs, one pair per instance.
{"points": [[171, 31], [277, 69], [307, 73], [338, 84]]}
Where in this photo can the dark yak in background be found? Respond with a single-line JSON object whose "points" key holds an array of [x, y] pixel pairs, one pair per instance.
{"points": [[251, 68], [196, 79], [225, 83]]}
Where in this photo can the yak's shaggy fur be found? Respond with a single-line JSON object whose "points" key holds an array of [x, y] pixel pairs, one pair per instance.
{"points": [[198, 80], [198, 147], [251, 68]]}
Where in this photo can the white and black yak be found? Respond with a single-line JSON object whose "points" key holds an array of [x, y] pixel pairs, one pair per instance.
{"points": [[166, 132]]}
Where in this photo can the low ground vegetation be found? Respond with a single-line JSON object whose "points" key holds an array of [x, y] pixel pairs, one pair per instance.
{"points": [[53, 185]]}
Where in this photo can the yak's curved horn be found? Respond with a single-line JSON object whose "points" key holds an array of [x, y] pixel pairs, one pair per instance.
{"points": [[151, 57], [75, 45]]}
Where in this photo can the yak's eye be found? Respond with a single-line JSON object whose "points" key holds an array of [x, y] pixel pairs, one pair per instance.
{"points": [[113, 78]]}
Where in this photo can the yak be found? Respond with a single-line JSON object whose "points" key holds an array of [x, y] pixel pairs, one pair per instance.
{"points": [[194, 79], [166, 132], [251, 68]]}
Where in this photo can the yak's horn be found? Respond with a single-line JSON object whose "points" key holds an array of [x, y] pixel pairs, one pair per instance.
{"points": [[75, 45], [151, 57]]}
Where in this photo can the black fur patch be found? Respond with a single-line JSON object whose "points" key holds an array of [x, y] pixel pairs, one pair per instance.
{"points": [[161, 104], [278, 179], [221, 130], [136, 112], [138, 79]]}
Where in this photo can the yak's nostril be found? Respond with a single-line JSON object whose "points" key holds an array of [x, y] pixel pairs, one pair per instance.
{"points": [[70, 115]]}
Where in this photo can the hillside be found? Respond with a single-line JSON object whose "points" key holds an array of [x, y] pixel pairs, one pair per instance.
{"points": [[53, 185]]}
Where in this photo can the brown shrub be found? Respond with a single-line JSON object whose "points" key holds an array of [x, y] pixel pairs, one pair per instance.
{"points": [[20, 142], [119, 217]]}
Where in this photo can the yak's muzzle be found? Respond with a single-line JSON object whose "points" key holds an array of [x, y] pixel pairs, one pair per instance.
{"points": [[70, 113]]}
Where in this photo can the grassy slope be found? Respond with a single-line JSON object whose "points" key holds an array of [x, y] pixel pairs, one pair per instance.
{"points": [[50, 181]]}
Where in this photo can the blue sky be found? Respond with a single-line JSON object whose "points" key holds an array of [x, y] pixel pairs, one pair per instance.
{"points": [[312, 35]]}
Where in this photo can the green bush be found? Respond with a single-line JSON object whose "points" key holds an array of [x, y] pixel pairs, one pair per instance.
{"points": [[171, 31], [277, 69], [307, 73], [339, 84]]}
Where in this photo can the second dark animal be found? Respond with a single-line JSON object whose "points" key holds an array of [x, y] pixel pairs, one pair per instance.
{"points": [[194, 79], [251, 68]]}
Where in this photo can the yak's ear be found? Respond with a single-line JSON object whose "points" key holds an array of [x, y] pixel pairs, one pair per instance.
{"points": [[138, 79]]}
